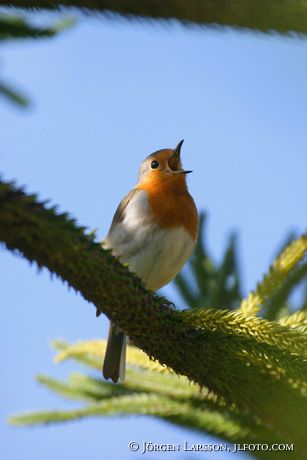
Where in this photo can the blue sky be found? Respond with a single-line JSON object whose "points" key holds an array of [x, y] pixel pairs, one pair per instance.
{"points": [[106, 94]]}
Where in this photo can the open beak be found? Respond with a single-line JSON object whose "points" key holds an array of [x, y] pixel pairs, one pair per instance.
{"points": [[177, 150], [176, 156]]}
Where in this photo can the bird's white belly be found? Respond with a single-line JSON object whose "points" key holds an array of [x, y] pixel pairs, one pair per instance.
{"points": [[154, 254], [162, 256]]}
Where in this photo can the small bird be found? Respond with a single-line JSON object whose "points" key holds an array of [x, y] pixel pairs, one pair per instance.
{"points": [[154, 231]]}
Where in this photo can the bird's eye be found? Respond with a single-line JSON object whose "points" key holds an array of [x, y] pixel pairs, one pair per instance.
{"points": [[155, 164]]}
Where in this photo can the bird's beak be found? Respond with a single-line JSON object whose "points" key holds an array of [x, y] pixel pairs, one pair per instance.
{"points": [[177, 151], [176, 156]]}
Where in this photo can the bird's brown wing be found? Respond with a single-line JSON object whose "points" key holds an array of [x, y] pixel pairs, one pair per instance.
{"points": [[117, 219], [120, 211]]}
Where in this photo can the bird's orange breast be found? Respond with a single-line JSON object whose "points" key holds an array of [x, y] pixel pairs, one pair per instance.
{"points": [[171, 204]]}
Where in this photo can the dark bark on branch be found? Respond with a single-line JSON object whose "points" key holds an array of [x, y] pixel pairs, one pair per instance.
{"points": [[263, 15], [54, 241]]}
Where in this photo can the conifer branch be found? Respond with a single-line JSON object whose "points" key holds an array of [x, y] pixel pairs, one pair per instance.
{"points": [[245, 372], [97, 348], [182, 403], [82, 388], [297, 321], [278, 301], [282, 16], [13, 27], [276, 277], [182, 413]]}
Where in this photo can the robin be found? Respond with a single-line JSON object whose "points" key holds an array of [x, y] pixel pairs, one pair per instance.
{"points": [[154, 231]]}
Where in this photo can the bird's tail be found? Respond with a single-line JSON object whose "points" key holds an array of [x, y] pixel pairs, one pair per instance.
{"points": [[114, 365]]}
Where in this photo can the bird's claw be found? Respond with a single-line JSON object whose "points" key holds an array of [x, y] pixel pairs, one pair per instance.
{"points": [[166, 304]]}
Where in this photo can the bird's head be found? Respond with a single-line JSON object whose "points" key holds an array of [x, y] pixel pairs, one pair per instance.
{"points": [[163, 165]]}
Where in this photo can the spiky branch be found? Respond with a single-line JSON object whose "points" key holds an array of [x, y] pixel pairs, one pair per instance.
{"points": [[266, 16], [251, 364]]}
